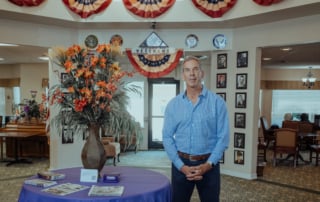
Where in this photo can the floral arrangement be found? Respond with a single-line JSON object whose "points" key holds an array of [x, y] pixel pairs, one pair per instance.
{"points": [[31, 109], [91, 88]]}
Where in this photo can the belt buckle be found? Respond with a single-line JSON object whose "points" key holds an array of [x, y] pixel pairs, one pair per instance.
{"points": [[191, 158]]}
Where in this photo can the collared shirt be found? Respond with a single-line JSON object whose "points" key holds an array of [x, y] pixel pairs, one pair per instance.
{"points": [[196, 129]]}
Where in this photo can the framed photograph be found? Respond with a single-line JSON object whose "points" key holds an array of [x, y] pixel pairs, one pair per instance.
{"points": [[222, 80], [222, 159], [66, 118], [239, 140], [242, 59], [222, 61], [241, 81], [239, 120], [67, 135], [223, 95], [241, 100], [64, 77], [239, 157]]}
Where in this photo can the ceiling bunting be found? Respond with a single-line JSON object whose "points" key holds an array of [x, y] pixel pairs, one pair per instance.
{"points": [[85, 8], [153, 58], [214, 8], [266, 2], [27, 2], [148, 8]]}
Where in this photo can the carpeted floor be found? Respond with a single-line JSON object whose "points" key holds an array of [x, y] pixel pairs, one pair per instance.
{"points": [[278, 184]]}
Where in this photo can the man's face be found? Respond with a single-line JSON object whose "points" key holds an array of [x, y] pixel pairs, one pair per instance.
{"points": [[192, 74]]}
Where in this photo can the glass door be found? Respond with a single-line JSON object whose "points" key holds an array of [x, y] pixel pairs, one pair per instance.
{"points": [[161, 92]]}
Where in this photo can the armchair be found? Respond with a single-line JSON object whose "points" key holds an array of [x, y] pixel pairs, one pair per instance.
{"points": [[111, 148], [286, 142]]}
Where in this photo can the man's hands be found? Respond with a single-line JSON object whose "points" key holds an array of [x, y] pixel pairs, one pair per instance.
{"points": [[196, 172]]}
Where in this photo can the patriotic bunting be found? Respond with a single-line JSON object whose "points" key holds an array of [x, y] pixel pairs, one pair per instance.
{"points": [[148, 8], [27, 2], [85, 8], [214, 8], [266, 2]]}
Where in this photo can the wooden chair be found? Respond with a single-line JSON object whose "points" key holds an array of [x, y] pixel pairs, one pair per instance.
{"points": [[286, 143], [305, 127], [262, 151], [268, 133], [291, 124], [315, 147], [111, 148]]}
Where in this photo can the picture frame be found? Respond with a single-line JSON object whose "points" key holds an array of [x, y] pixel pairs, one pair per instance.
{"points": [[67, 135], [239, 140], [242, 59], [66, 116], [223, 95], [241, 81], [222, 61], [239, 157], [239, 120], [241, 100], [222, 80], [64, 77]]}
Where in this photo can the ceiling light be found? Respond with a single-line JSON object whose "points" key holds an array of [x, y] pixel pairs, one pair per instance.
{"points": [[7, 44], [309, 80], [286, 49], [266, 59], [46, 58], [1, 59]]}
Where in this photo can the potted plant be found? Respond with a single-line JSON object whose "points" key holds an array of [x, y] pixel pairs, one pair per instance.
{"points": [[90, 93]]}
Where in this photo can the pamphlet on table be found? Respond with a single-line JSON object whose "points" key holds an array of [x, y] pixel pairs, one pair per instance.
{"points": [[106, 190], [40, 182], [65, 189]]}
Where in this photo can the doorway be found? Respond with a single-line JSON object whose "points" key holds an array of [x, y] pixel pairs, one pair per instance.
{"points": [[161, 91]]}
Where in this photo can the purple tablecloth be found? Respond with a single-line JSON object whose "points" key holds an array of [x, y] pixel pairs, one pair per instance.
{"points": [[140, 185]]}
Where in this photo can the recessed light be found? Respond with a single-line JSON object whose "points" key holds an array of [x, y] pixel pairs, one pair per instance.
{"points": [[46, 58], [286, 49], [1, 59], [266, 59], [7, 44]]}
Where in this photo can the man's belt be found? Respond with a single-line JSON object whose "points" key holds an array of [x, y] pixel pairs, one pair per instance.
{"points": [[193, 157]]}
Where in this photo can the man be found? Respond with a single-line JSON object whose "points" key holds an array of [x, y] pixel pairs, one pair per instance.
{"points": [[195, 135]]}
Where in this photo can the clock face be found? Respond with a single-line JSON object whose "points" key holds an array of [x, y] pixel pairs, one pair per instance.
{"points": [[191, 41], [219, 41], [91, 41]]}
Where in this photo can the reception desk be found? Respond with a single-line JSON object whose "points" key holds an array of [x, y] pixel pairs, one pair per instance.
{"points": [[140, 185]]}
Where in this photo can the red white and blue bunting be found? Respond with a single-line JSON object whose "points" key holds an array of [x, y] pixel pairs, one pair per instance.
{"points": [[27, 2], [148, 8], [214, 8], [85, 8], [266, 2]]}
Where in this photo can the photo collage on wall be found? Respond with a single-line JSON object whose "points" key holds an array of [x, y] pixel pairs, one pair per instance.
{"points": [[240, 105], [222, 63]]}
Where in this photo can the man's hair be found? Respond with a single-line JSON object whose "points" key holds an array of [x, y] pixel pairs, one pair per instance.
{"points": [[191, 57]]}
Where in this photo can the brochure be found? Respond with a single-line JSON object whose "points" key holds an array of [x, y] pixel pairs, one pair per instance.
{"points": [[65, 189], [48, 175], [106, 190], [40, 182]]}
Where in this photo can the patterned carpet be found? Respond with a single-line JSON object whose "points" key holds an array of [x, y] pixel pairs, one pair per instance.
{"points": [[278, 184]]}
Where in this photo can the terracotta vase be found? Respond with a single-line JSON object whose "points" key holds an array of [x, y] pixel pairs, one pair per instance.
{"points": [[93, 155]]}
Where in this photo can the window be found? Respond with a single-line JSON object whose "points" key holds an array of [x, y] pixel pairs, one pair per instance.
{"points": [[136, 102], [295, 102]]}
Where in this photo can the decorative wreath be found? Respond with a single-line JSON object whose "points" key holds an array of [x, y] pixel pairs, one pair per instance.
{"points": [[27, 2], [266, 2], [214, 9], [147, 8], [86, 8], [154, 66]]}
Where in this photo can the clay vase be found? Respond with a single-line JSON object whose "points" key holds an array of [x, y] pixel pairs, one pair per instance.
{"points": [[93, 154]]}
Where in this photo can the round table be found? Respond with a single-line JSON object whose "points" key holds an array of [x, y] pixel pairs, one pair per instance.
{"points": [[139, 185]]}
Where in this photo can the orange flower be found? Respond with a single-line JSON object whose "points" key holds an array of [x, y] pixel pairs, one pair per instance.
{"points": [[102, 84], [79, 104], [68, 65], [71, 89]]}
